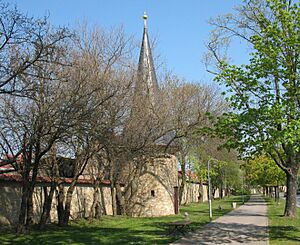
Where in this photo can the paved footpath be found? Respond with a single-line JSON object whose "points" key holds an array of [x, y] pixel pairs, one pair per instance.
{"points": [[247, 224]]}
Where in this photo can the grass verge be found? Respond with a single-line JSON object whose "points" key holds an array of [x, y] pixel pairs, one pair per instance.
{"points": [[122, 230], [282, 230]]}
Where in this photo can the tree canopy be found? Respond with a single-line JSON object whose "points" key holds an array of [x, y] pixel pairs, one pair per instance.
{"points": [[263, 171], [263, 94]]}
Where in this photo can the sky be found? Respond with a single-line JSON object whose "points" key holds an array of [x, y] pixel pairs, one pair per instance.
{"points": [[180, 26]]}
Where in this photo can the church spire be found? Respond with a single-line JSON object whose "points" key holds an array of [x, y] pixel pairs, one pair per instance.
{"points": [[146, 71]]}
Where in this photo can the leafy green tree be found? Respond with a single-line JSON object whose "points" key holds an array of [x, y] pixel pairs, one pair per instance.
{"points": [[224, 169], [263, 171], [265, 94]]}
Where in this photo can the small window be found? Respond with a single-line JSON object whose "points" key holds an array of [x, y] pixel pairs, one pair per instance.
{"points": [[152, 193]]}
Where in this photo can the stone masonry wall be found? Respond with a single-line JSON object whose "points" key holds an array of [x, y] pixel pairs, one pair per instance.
{"points": [[10, 201], [191, 193], [196, 192], [154, 188]]}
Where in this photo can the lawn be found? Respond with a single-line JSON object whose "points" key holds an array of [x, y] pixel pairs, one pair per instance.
{"points": [[282, 230], [121, 230]]}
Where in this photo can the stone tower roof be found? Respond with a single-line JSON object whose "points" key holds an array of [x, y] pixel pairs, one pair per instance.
{"points": [[147, 81]]}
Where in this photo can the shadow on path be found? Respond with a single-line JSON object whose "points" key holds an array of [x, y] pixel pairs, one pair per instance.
{"points": [[248, 225]]}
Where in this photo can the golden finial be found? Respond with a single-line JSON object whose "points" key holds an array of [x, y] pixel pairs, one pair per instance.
{"points": [[145, 17]]}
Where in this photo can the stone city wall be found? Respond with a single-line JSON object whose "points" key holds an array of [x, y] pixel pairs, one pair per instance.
{"points": [[82, 199], [196, 192], [154, 188]]}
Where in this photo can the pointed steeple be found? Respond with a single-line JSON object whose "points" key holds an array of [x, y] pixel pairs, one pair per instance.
{"points": [[147, 82]]}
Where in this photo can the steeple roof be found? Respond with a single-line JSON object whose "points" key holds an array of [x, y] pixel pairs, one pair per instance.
{"points": [[146, 71]]}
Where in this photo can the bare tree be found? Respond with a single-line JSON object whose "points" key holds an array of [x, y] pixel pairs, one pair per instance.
{"points": [[190, 109], [100, 66], [36, 115], [24, 43]]}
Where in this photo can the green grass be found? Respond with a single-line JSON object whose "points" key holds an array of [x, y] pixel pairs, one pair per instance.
{"points": [[121, 230], [282, 230]]}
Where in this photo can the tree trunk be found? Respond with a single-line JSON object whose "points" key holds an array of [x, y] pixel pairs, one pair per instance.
{"points": [[98, 210], [31, 184], [276, 194], [23, 209], [120, 200], [200, 198], [291, 196], [221, 191], [60, 204], [112, 186], [114, 199], [103, 202], [94, 211], [29, 218], [67, 210], [226, 191], [213, 193], [25, 190], [47, 206], [64, 206], [183, 182]]}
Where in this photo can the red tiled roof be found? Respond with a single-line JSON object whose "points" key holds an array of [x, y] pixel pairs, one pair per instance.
{"points": [[7, 166], [18, 159], [191, 176], [7, 161]]}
